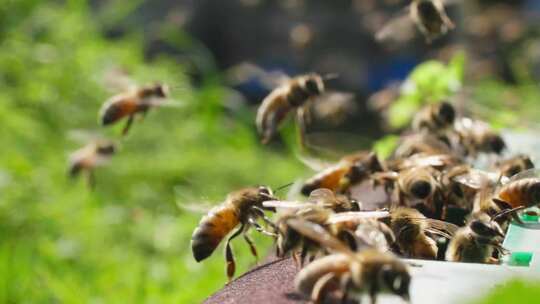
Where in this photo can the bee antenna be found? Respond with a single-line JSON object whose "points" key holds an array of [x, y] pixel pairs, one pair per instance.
{"points": [[507, 211], [283, 187], [330, 76]]}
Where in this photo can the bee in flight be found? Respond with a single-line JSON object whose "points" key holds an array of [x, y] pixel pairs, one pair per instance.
{"points": [[369, 270], [242, 207], [292, 95], [86, 159], [137, 101], [429, 17]]}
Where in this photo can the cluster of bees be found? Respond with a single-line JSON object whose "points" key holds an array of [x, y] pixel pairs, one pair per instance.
{"points": [[437, 206]]}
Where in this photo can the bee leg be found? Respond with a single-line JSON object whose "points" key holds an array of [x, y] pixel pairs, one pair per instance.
{"points": [[344, 286], [128, 125], [302, 120], [317, 294], [231, 265], [251, 246], [260, 229], [296, 260], [303, 254], [265, 218], [373, 294], [91, 179]]}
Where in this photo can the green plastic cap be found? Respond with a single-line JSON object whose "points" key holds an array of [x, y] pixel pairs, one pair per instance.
{"points": [[520, 259]]}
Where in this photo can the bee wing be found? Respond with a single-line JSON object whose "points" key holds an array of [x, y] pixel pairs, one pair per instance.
{"points": [[530, 173], [318, 234], [321, 195], [201, 208], [428, 160], [371, 236], [117, 79], [246, 71], [441, 228], [356, 215], [333, 107], [313, 163], [399, 29], [286, 204], [333, 145]]}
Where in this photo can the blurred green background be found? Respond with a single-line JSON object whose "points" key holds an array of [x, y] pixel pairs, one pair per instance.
{"points": [[127, 241]]}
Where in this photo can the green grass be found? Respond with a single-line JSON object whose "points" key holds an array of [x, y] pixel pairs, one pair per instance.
{"points": [[127, 241]]}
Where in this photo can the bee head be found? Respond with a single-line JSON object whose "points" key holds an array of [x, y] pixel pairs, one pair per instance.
{"points": [[161, 90], [535, 192], [265, 193], [397, 279], [314, 85], [495, 143], [488, 229], [421, 189], [447, 113], [106, 148]]}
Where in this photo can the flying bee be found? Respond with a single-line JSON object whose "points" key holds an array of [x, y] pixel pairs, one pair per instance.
{"points": [[434, 118], [291, 95], [95, 154], [476, 242], [429, 17], [351, 169], [369, 270], [131, 103], [242, 207], [414, 232], [514, 165], [476, 136]]}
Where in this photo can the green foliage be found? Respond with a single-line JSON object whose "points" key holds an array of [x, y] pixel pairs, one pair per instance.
{"points": [[514, 291], [430, 81], [126, 241]]}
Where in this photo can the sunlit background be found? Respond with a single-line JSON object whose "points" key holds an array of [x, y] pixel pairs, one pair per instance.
{"points": [[127, 241]]}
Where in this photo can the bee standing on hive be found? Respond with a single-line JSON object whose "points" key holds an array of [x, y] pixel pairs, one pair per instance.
{"points": [[129, 104], [97, 153], [242, 207], [476, 242], [413, 233], [429, 17], [290, 96], [369, 270]]}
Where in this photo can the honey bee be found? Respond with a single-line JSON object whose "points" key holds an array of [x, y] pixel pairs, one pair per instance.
{"points": [[476, 136], [522, 191], [438, 162], [424, 143], [476, 242], [292, 95], [367, 270], [434, 118], [131, 103], [514, 165], [351, 169], [242, 207], [412, 230], [86, 159], [417, 187], [467, 187], [430, 19]]}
